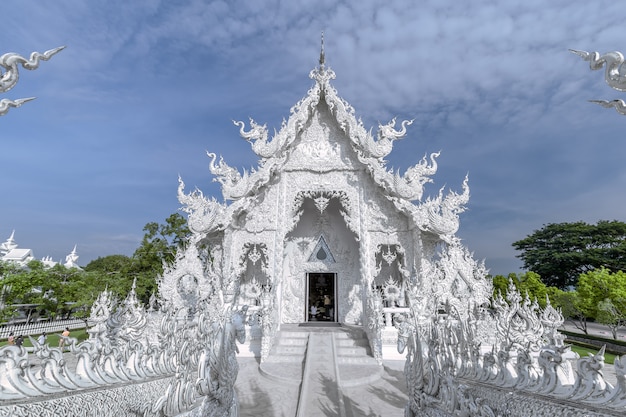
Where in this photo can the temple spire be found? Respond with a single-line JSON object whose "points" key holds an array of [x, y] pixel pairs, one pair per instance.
{"points": [[322, 52], [322, 74]]}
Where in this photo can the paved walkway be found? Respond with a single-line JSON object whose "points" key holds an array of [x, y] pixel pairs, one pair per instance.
{"points": [[321, 372], [263, 396]]}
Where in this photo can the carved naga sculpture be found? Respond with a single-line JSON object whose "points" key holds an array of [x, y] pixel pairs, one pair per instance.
{"points": [[614, 74], [204, 215], [386, 135], [234, 184], [257, 136], [410, 186], [9, 74], [441, 215]]}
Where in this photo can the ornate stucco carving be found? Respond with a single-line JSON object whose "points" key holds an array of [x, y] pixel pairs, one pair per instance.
{"points": [[9, 74], [614, 74], [441, 215], [293, 294], [188, 281], [462, 279], [522, 374], [257, 136], [205, 215], [321, 252]]}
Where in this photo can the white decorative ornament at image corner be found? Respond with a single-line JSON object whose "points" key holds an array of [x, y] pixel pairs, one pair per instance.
{"points": [[614, 74], [9, 74]]}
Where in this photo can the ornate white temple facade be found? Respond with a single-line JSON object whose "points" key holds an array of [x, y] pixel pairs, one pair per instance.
{"points": [[324, 222]]}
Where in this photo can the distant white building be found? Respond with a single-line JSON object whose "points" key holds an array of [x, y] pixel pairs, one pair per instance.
{"points": [[70, 260], [10, 252]]}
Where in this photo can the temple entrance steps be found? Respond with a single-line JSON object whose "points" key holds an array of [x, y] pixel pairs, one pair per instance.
{"points": [[285, 362], [322, 361]]}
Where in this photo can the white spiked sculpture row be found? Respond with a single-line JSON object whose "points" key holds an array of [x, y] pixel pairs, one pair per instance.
{"points": [[163, 363], [9, 74], [527, 371]]}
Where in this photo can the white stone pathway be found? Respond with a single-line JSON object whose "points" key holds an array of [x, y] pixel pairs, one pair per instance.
{"points": [[333, 377], [260, 396], [320, 395]]}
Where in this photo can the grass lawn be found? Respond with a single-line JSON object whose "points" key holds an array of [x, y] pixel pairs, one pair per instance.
{"points": [[584, 351], [53, 338]]}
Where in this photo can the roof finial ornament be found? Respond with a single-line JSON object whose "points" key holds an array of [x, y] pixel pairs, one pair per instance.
{"points": [[322, 52], [321, 74]]}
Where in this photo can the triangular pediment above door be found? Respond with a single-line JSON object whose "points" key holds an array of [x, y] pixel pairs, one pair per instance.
{"points": [[321, 252]]}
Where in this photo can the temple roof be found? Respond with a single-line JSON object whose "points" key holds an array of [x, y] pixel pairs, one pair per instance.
{"points": [[9, 252], [18, 255], [371, 151], [437, 215]]}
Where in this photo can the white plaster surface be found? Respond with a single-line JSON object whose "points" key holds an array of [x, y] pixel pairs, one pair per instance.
{"points": [[262, 396]]}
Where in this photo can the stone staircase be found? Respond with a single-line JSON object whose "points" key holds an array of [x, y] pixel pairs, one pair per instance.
{"points": [[322, 361], [285, 362]]}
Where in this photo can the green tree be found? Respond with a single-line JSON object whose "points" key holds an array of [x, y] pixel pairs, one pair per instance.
{"points": [[8, 268], [158, 247], [560, 252], [112, 272], [603, 296], [613, 314], [161, 242], [62, 294], [35, 285], [59, 290], [111, 264], [528, 283], [571, 307], [500, 285]]}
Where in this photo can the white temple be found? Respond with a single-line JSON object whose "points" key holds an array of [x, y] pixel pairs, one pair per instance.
{"points": [[323, 222], [10, 252]]}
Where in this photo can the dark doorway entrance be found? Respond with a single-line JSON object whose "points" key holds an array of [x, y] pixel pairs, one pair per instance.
{"points": [[321, 300]]}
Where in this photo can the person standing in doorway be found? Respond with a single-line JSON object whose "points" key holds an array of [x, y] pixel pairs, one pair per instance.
{"points": [[327, 306]]}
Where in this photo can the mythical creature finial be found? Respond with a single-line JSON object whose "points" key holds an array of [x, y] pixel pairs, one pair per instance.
{"points": [[618, 104], [9, 74], [204, 215], [614, 75], [6, 104]]}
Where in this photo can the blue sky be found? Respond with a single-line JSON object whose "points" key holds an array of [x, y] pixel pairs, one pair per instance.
{"points": [[145, 88]]}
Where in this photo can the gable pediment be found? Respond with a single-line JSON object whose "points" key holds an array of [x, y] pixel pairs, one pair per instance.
{"points": [[321, 252]]}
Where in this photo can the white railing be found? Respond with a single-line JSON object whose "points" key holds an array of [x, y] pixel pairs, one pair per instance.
{"points": [[40, 327], [390, 312]]}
